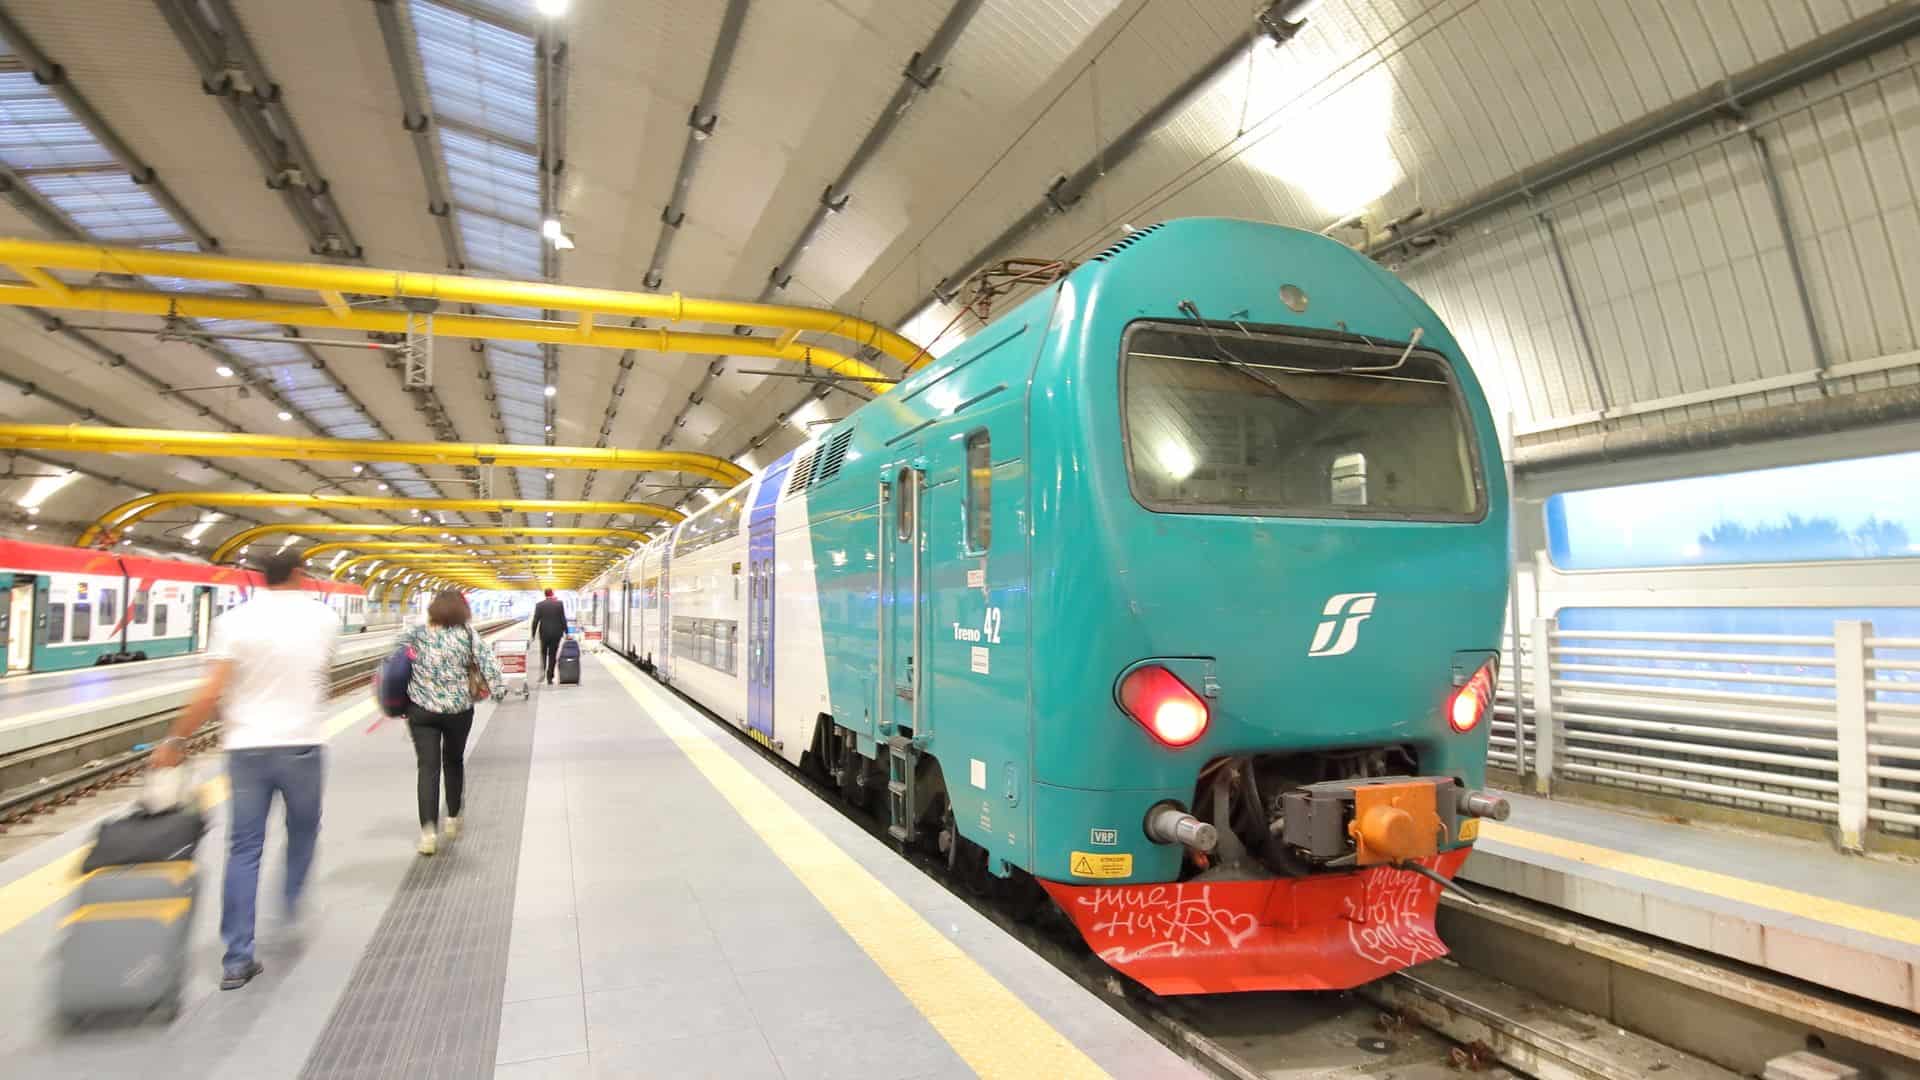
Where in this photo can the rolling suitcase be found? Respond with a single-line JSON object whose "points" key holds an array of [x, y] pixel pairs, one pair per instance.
{"points": [[123, 947], [570, 662]]}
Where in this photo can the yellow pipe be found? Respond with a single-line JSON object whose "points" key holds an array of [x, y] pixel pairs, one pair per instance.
{"points": [[92, 259], [485, 327], [94, 439], [134, 510], [247, 536], [419, 561], [373, 546]]}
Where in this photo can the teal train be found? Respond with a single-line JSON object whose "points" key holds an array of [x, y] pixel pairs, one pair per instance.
{"points": [[1176, 590]]}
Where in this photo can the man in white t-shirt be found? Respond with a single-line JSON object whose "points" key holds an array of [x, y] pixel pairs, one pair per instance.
{"points": [[267, 671]]}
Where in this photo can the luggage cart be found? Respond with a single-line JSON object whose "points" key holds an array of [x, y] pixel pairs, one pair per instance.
{"points": [[512, 656]]}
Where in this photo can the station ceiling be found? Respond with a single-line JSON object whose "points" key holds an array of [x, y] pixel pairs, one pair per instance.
{"points": [[473, 134]]}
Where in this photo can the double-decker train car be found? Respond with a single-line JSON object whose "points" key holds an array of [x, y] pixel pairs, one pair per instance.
{"points": [[1177, 589], [76, 607]]}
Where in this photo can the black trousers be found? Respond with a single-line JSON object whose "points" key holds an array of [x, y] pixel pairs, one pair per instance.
{"points": [[550, 654], [440, 744]]}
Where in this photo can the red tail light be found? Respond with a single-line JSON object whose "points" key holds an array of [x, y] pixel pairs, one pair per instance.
{"points": [[1164, 705], [1472, 701]]}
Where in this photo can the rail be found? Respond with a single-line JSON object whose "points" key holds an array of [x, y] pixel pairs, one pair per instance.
{"points": [[1823, 728]]}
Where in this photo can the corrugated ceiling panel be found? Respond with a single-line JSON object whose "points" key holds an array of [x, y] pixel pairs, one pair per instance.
{"points": [[109, 205], [478, 73], [37, 131], [492, 177], [533, 483], [497, 247]]}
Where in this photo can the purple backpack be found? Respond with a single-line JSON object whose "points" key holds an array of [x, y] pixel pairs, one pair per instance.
{"points": [[396, 671]]}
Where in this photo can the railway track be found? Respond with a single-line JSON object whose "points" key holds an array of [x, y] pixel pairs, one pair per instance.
{"points": [[1440, 1019], [40, 778]]}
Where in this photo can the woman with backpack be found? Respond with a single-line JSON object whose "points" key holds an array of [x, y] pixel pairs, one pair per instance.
{"points": [[452, 669]]}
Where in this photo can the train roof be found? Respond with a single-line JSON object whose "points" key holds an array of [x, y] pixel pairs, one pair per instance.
{"points": [[22, 555]]}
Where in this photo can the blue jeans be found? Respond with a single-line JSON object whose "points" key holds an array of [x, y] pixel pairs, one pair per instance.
{"points": [[298, 773]]}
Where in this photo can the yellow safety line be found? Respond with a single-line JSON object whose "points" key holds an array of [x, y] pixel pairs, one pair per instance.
{"points": [[32, 893], [991, 1029], [1839, 913]]}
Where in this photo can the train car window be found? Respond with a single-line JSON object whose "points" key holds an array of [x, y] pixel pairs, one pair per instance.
{"points": [[905, 496], [720, 521], [159, 619], [979, 492], [140, 600], [1241, 421], [82, 621], [109, 607], [56, 623]]}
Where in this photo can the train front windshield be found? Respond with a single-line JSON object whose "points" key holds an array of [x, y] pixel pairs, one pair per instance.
{"points": [[1243, 421]]}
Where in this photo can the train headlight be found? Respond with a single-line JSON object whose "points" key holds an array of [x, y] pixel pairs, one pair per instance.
{"points": [[1169, 710], [1471, 702]]}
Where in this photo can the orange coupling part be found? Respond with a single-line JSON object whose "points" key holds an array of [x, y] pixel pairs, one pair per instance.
{"points": [[1394, 822]]}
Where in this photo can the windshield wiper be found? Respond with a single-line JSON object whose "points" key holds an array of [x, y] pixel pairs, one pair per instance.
{"points": [[1226, 356]]}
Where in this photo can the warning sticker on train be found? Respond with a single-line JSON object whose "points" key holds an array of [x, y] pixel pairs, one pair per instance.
{"points": [[1097, 864], [1470, 829]]}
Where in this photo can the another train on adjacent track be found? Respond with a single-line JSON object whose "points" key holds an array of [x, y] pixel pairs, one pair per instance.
{"points": [[76, 607], [1177, 589]]}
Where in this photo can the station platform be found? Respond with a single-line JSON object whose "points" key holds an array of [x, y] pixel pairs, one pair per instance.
{"points": [[635, 892], [43, 708], [1843, 922]]}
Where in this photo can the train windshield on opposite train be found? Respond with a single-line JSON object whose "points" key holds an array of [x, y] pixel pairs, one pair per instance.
{"points": [[1242, 421]]}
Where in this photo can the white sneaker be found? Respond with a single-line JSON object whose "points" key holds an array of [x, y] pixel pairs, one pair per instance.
{"points": [[429, 843], [451, 827]]}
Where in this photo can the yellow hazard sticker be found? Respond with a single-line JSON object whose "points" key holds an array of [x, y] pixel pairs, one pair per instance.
{"points": [[1470, 829], [1101, 864]]}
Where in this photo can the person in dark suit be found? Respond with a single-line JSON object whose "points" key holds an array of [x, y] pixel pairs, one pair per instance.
{"points": [[550, 623]]}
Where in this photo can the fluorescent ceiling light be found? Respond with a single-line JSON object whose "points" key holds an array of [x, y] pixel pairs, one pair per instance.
{"points": [[44, 489], [199, 530]]}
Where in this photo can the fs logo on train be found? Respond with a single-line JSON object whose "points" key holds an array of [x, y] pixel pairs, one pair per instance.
{"points": [[1341, 630]]}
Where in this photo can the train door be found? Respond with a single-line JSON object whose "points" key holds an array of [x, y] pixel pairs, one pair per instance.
{"points": [[902, 683], [760, 564], [20, 622], [202, 617]]}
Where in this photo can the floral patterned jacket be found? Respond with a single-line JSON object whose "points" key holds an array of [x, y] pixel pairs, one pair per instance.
{"points": [[440, 658]]}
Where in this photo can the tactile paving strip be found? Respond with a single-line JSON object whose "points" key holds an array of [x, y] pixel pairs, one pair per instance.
{"points": [[424, 1000]]}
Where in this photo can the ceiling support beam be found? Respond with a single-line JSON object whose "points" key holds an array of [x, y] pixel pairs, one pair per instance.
{"points": [[84, 439], [230, 70], [134, 510], [216, 41], [417, 119], [240, 540], [54, 78], [1884, 29], [701, 123], [418, 122], [917, 77], [1278, 21]]}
